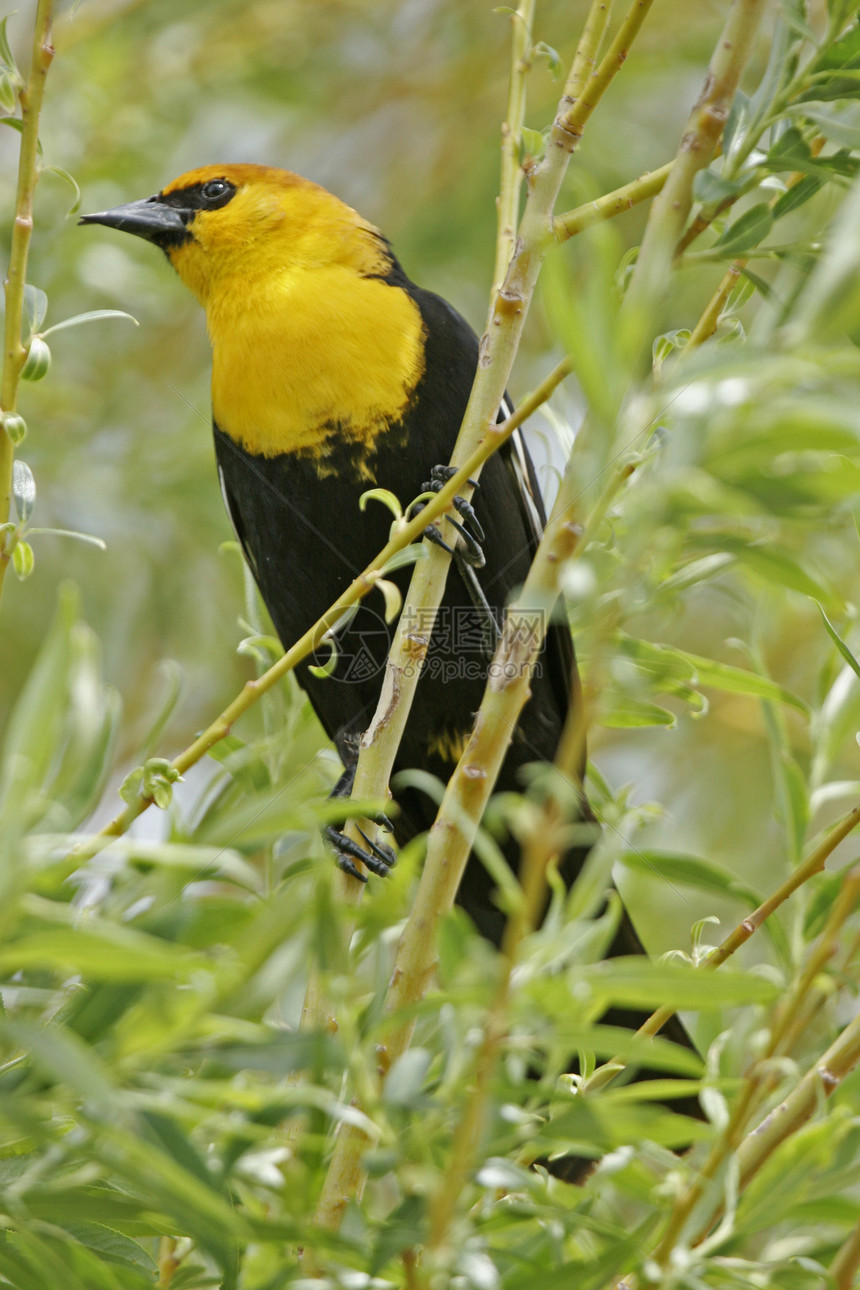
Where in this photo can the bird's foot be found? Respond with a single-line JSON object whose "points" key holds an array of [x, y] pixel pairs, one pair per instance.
{"points": [[378, 857], [470, 530]]}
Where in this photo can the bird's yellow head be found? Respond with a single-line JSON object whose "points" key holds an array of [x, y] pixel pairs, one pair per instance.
{"points": [[313, 330], [220, 225]]}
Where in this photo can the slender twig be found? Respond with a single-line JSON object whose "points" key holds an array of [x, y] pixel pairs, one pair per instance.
{"points": [[698, 144], [758, 1078], [813, 864], [707, 324], [846, 1264], [508, 210], [792, 1113], [588, 49], [621, 199], [14, 353]]}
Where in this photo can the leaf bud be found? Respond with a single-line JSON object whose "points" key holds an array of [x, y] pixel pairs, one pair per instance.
{"points": [[38, 360]]}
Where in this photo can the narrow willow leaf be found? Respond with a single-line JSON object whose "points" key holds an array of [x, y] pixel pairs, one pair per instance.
{"points": [[23, 490], [106, 953], [94, 315], [747, 232], [636, 984], [839, 643], [35, 308], [385, 496]]}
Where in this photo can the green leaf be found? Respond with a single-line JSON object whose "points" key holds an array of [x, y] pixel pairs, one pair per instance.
{"points": [[94, 315], [634, 983], [8, 90], [840, 644], [37, 364], [790, 151], [407, 555], [105, 952], [774, 566], [73, 184], [737, 123], [23, 560], [600, 1124], [690, 871], [15, 427], [739, 680], [383, 495], [6, 55], [35, 308], [622, 712], [743, 291], [747, 232], [552, 56], [66, 1059], [711, 189], [840, 124], [796, 195], [532, 143], [404, 1084], [23, 490], [111, 1246]]}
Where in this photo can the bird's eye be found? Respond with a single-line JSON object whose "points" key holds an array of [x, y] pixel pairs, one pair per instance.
{"points": [[215, 188]]}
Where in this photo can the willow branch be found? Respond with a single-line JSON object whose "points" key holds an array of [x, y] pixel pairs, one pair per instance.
{"points": [[813, 864], [585, 59], [793, 1112], [761, 1074], [14, 353], [846, 1265], [698, 145], [511, 169], [707, 324], [610, 204]]}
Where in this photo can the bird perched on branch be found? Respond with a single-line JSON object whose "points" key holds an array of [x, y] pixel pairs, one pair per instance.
{"points": [[333, 373]]}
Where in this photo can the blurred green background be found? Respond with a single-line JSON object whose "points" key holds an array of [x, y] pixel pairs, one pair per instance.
{"points": [[396, 107]]}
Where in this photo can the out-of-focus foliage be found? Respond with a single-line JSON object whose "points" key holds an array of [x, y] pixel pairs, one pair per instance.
{"points": [[162, 1117]]}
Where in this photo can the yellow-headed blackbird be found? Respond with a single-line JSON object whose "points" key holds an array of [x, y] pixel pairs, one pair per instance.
{"points": [[333, 373]]}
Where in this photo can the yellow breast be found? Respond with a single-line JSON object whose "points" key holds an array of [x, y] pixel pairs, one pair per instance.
{"points": [[312, 354]]}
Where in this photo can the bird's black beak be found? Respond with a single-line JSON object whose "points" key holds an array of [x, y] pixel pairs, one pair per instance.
{"points": [[151, 219]]}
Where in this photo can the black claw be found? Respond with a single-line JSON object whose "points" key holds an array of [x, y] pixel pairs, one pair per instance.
{"points": [[467, 512], [472, 553], [472, 536], [439, 475], [345, 864], [378, 858], [433, 535], [384, 854]]}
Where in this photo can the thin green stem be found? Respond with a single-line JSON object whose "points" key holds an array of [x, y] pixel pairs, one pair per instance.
{"points": [[813, 864], [846, 1264], [759, 1076], [511, 169], [611, 204], [14, 354], [698, 144]]}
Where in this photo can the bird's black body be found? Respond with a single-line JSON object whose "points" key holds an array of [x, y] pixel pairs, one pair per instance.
{"points": [[323, 540]]}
